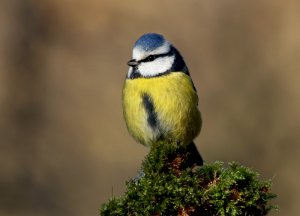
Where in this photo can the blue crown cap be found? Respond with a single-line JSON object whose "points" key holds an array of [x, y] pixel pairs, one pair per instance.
{"points": [[150, 41]]}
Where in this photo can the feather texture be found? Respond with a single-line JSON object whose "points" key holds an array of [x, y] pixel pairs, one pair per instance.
{"points": [[174, 102]]}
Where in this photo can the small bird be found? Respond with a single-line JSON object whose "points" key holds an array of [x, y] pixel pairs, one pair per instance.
{"points": [[160, 101]]}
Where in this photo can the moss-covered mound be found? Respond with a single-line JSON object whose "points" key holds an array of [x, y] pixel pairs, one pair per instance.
{"points": [[172, 186]]}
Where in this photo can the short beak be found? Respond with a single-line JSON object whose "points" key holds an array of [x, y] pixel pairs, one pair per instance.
{"points": [[133, 63]]}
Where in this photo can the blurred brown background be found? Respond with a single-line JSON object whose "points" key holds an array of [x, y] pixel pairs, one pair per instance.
{"points": [[64, 145]]}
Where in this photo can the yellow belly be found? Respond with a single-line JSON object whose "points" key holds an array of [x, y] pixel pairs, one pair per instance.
{"points": [[175, 104]]}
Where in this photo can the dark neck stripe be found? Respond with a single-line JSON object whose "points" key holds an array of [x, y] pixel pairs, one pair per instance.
{"points": [[135, 75], [179, 64]]}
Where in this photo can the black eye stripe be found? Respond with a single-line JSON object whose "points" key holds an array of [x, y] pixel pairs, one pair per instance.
{"points": [[153, 57]]}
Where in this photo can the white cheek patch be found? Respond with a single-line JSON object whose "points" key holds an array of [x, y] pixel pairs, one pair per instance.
{"points": [[158, 66]]}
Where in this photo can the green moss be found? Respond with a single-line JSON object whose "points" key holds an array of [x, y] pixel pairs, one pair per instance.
{"points": [[171, 186]]}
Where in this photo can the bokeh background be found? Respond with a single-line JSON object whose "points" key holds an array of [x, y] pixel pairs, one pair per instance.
{"points": [[65, 149]]}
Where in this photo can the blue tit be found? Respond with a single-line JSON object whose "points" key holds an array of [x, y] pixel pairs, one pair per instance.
{"points": [[160, 101]]}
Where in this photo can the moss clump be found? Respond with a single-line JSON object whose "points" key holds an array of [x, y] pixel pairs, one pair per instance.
{"points": [[172, 186]]}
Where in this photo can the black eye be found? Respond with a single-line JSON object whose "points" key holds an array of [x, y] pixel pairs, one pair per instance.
{"points": [[150, 58]]}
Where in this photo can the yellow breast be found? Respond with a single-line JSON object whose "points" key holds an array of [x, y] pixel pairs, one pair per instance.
{"points": [[175, 111]]}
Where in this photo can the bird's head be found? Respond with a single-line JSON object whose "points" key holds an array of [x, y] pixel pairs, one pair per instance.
{"points": [[153, 55]]}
